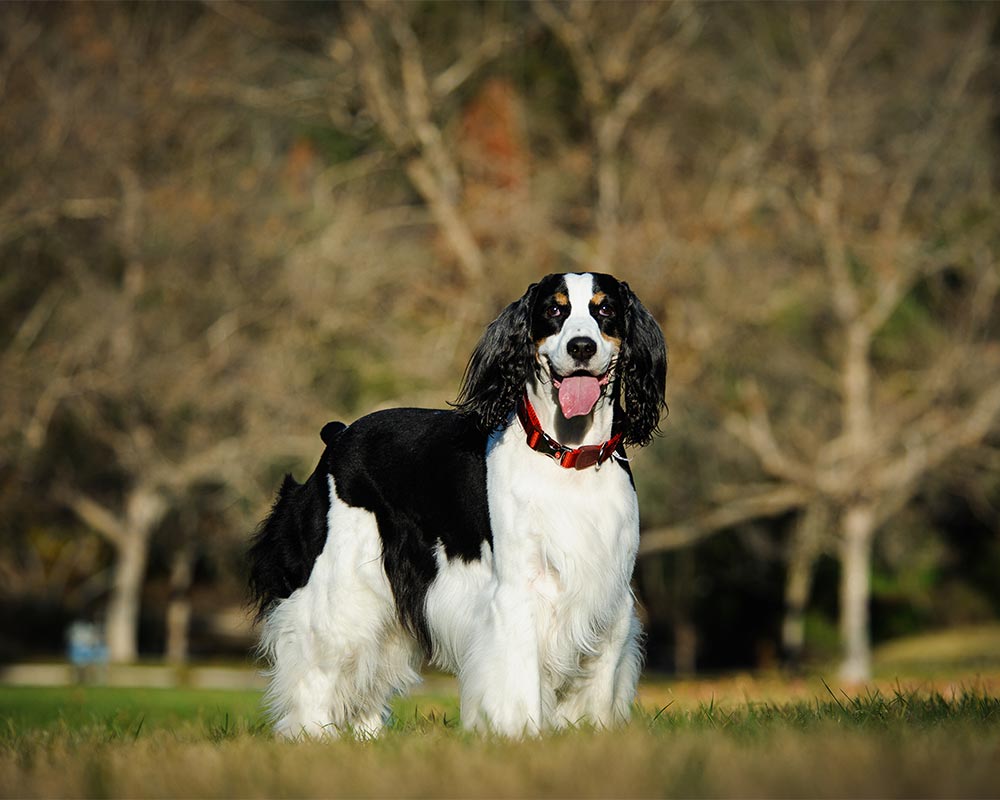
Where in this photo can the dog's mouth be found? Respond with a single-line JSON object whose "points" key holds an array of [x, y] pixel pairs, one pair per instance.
{"points": [[579, 392]]}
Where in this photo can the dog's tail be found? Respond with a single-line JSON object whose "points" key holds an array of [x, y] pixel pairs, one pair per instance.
{"points": [[330, 431]]}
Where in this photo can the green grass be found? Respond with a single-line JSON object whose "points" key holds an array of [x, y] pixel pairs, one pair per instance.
{"points": [[102, 742], [88, 710]]}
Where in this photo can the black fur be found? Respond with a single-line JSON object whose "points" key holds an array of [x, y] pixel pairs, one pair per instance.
{"points": [[545, 295], [330, 431], [499, 367], [642, 369], [288, 541]]}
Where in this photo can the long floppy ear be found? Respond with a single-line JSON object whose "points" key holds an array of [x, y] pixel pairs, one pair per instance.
{"points": [[643, 371], [499, 366]]}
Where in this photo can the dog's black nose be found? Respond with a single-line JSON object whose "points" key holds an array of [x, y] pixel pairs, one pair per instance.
{"points": [[581, 347]]}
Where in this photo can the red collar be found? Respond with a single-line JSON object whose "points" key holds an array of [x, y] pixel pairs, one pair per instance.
{"points": [[589, 455]]}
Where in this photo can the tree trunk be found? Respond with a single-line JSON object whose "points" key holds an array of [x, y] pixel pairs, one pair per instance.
{"points": [[803, 550], [857, 531], [798, 584], [122, 622], [685, 632], [144, 511], [179, 605]]}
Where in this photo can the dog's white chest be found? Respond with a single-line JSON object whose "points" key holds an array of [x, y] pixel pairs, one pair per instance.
{"points": [[565, 535]]}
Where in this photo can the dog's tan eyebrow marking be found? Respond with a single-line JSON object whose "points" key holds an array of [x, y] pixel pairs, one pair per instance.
{"points": [[595, 301], [559, 298]]}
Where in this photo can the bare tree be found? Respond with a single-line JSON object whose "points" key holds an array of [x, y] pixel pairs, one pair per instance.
{"points": [[146, 337], [885, 251], [622, 61], [403, 98], [208, 224]]}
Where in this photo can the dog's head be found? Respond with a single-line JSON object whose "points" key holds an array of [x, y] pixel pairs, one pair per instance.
{"points": [[588, 335]]}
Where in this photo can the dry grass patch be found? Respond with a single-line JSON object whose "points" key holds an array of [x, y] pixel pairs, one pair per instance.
{"points": [[902, 744]]}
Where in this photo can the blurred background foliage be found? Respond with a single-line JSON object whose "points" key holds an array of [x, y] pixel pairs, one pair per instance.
{"points": [[223, 224]]}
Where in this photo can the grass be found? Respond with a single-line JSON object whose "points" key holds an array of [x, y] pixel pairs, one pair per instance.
{"points": [[967, 648], [85, 711], [103, 742]]}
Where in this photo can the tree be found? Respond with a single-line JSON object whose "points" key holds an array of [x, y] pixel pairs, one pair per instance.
{"points": [[883, 361], [200, 254], [622, 62], [142, 331]]}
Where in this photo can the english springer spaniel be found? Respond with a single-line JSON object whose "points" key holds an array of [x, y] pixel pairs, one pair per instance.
{"points": [[496, 539]]}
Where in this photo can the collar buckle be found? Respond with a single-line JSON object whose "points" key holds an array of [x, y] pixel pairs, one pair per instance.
{"points": [[583, 457]]}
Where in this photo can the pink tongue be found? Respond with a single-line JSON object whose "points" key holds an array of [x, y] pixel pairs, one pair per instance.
{"points": [[578, 395]]}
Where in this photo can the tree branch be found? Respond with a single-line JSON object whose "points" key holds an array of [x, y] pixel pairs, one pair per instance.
{"points": [[930, 135], [573, 39], [755, 432], [764, 504], [95, 515], [415, 135], [491, 46], [942, 437]]}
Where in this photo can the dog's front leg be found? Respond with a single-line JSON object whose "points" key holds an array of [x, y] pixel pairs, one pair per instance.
{"points": [[501, 688], [603, 693]]}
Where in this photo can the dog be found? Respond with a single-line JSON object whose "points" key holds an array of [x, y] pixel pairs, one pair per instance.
{"points": [[495, 539]]}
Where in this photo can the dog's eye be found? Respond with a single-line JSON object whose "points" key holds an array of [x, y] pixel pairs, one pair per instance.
{"points": [[606, 311], [554, 311]]}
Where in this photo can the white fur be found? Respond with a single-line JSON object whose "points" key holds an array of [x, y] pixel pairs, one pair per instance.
{"points": [[544, 633]]}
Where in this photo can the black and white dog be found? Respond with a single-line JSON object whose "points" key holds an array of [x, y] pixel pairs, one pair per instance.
{"points": [[496, 539]]}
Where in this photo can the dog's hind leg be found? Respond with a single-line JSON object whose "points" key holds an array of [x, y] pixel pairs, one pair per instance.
{"points": [[299, 693], [348, 692], [389, 668], [337, 650], [327, 681]]}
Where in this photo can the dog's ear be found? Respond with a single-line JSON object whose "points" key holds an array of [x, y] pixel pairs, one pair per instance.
{"points": [[643, 371], [499, 366]]}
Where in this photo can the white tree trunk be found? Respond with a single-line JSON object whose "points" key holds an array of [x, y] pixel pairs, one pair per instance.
{"points": [[122, 622], [144, 511], [857, 531]]}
